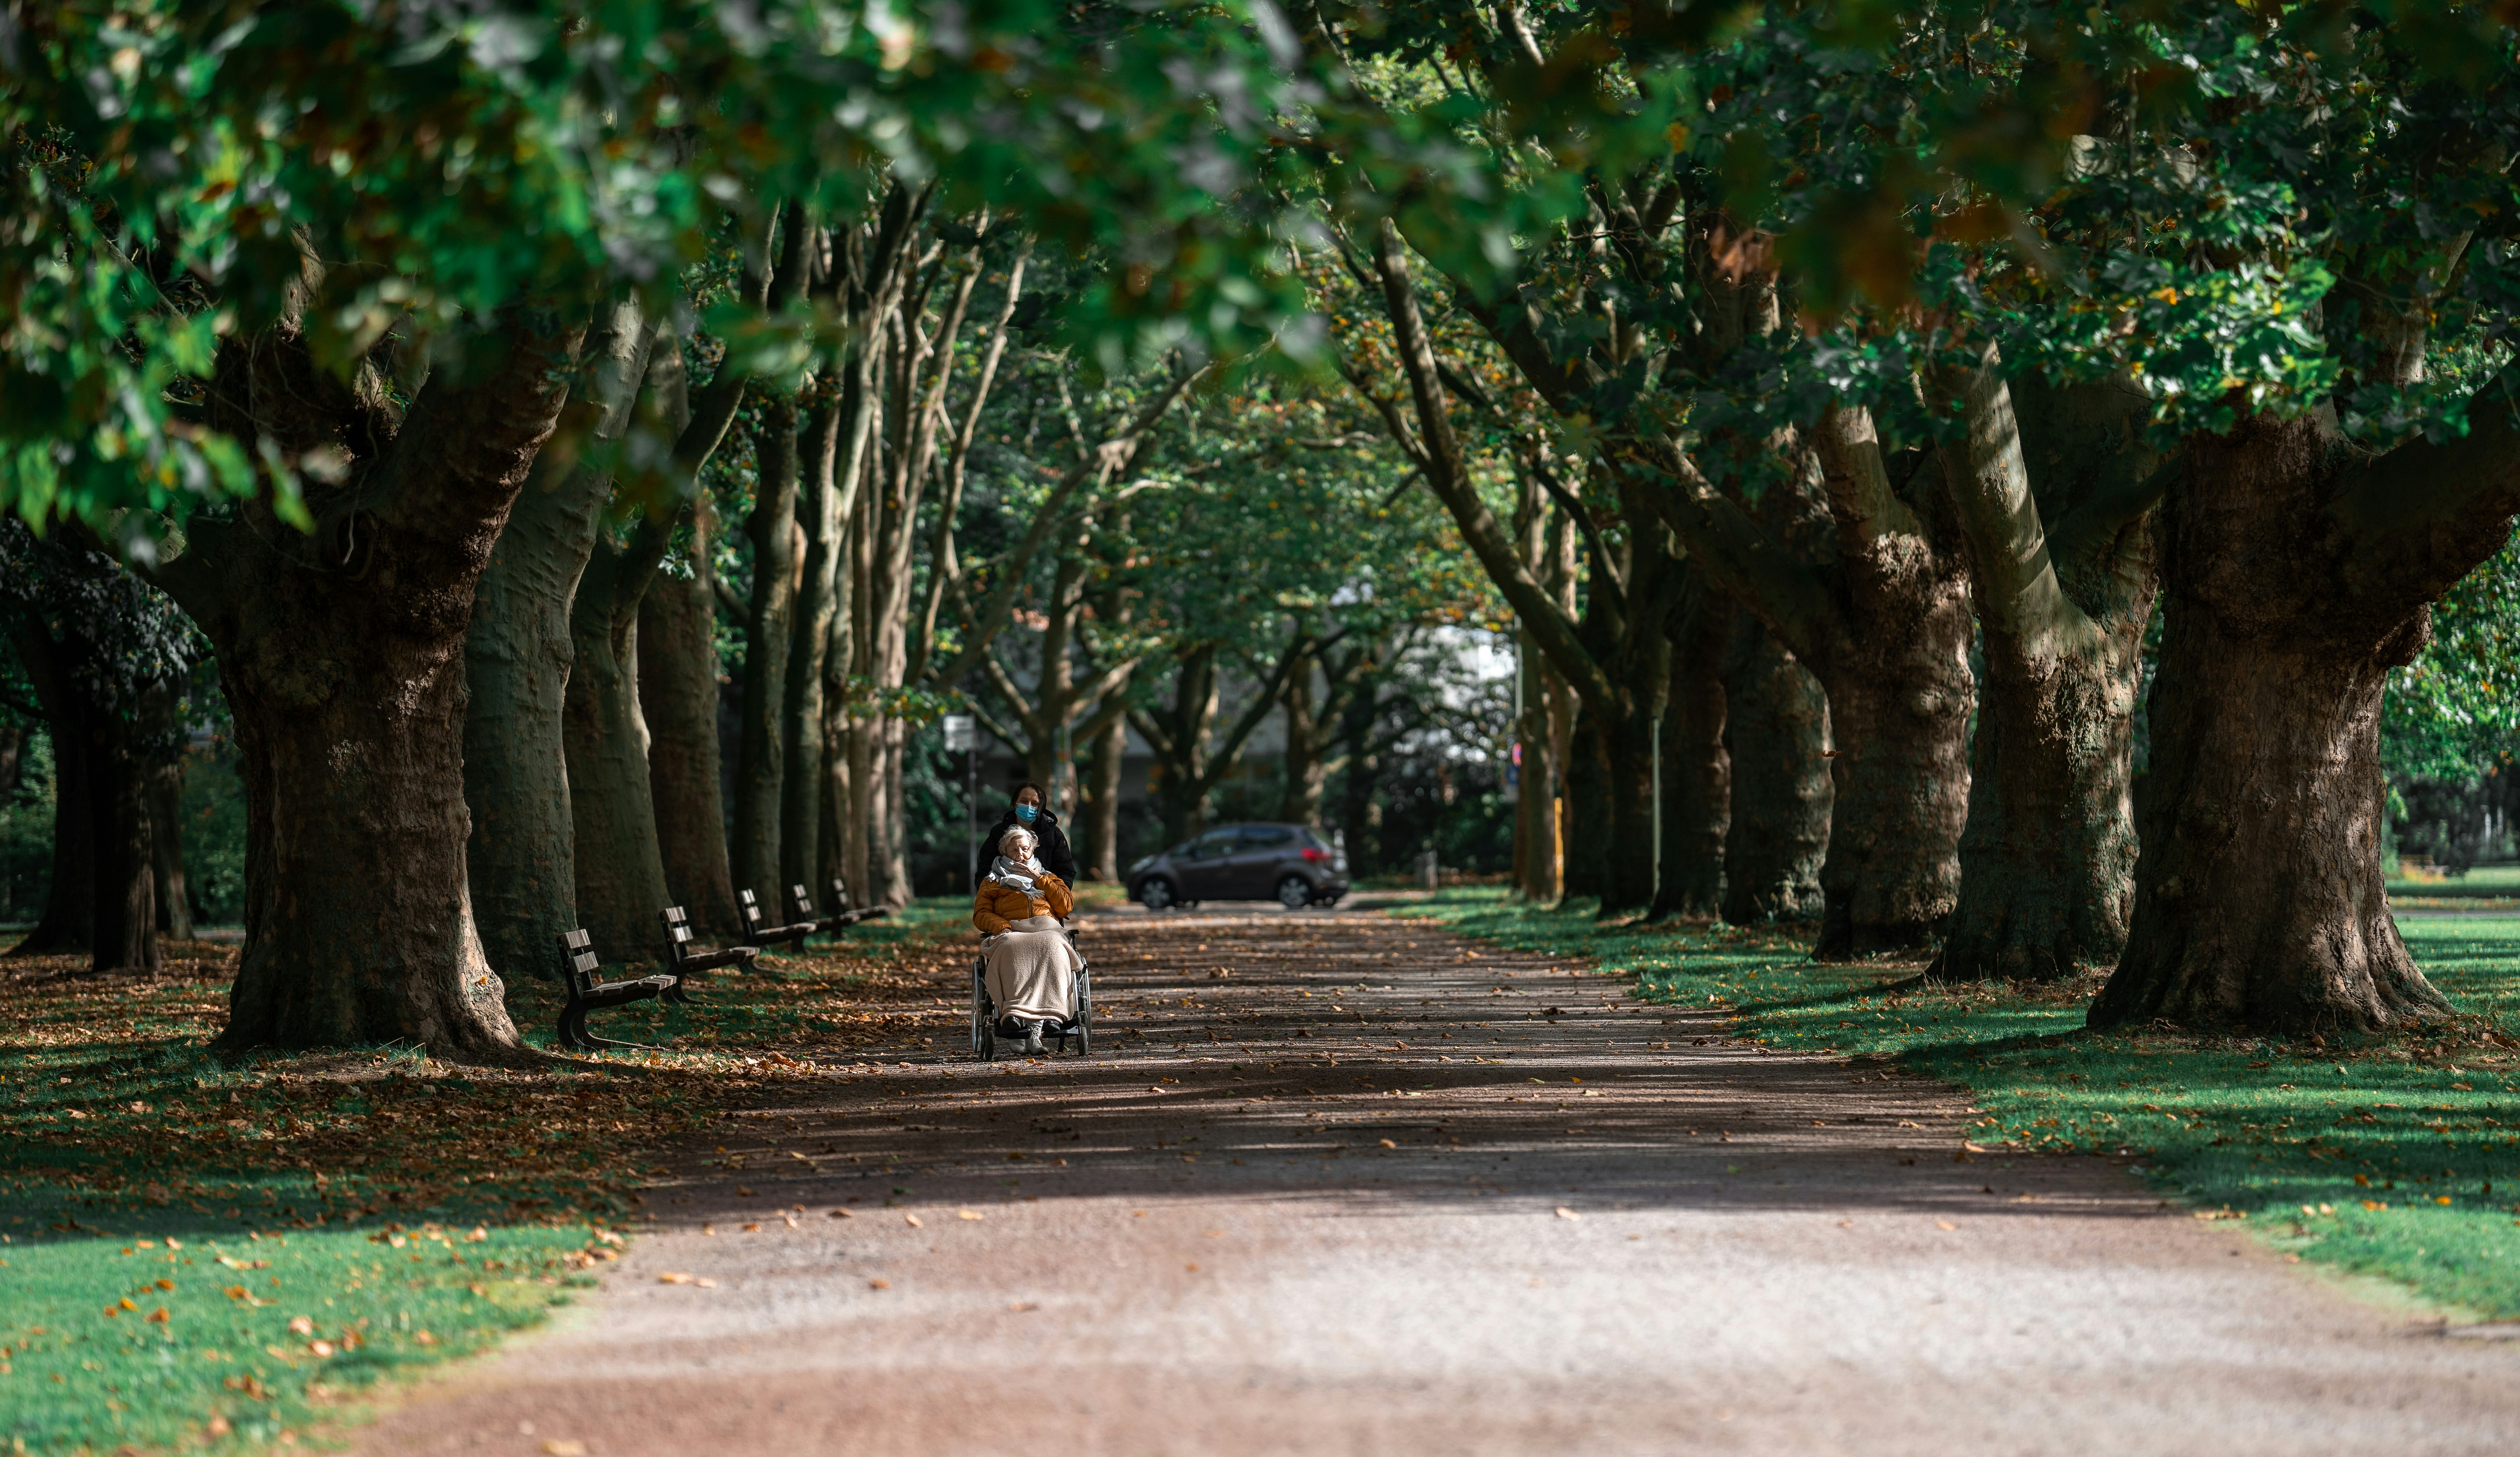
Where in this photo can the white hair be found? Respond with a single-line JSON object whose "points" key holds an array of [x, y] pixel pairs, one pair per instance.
{"points": [[1007, 842]]}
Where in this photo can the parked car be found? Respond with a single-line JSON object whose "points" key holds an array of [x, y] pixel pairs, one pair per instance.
{"points": [[1285, 863]]}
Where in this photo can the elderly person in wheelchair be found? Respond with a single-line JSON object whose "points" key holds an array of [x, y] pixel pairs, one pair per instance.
{"points": [[1032, 969]]}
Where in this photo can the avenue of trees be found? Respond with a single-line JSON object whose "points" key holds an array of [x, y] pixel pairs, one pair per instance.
{"points": [[1991, 465]]}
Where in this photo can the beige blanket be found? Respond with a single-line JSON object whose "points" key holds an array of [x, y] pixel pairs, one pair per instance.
{"points": [[1032, 970]]}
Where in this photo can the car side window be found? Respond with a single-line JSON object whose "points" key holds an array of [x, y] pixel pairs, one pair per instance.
{"points": [[1212, 843], [1266, 837]]}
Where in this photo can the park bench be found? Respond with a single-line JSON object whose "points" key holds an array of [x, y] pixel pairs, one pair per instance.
{"points": [[683, 959], [580, 964], [840, 919], [750, 906]]}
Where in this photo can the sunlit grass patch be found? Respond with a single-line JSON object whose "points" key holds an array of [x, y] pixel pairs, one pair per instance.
{"points": [[2397, 1156]]}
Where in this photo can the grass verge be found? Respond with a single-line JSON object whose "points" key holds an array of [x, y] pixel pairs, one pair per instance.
{"points": [[208, 1254], [2398, 1158]]}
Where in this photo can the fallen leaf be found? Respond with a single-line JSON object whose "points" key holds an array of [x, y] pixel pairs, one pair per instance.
{"points": [[845, 1214], [159, 1315], [705, 1282], [673, 1277], [562, 1446], [1388, 1143], [879, 1285], [969, 1215], [1564, 1212], [913, 1221], [1944, 1225], [1020, 1307], [752, 1229], [301, 1326], [746, 1192], [320, 1347]]}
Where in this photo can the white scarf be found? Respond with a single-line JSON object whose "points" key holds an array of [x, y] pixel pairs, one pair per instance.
{"points": [[1019, 875]]}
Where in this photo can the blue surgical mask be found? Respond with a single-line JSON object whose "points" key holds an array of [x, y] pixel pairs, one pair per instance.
{"points": [[1027, 813]]}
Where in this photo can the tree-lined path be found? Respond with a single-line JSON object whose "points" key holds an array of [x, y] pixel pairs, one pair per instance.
{"points": [[1341, 1182]]}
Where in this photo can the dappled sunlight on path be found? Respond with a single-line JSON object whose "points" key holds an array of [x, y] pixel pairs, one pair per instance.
{"points": [[1338, 1182]]}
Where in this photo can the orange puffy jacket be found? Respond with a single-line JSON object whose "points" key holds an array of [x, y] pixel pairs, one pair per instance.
{"points": [[996, 905]]}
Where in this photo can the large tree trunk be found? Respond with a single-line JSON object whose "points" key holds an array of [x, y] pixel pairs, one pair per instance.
{"points": [[776, 547], [1359, 824], [126, 934], [342, 659], [166, 847], [621, 869], [1299, 803], [830, 475], [1539, 869], [2259, 894], [517, 656], [1900, 717], [2047, 861], [521, 854], [1775, 739], [1588, 810], [677, 692], [1696, 772], [1100, 856]]}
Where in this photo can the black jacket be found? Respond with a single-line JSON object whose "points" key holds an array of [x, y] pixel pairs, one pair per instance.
{"points": [[1056, 856]]}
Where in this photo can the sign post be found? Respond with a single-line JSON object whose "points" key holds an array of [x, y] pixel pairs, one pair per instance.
{"points": [[963, 732]]}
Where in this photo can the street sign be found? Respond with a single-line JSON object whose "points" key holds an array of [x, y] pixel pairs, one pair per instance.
{"points": [[961, 733]]}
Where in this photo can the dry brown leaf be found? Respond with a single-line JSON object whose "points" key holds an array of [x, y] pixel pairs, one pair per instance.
{"points": [[845, 1214], [564, 1447], [969, 1215], [1564, 1212], [879, 1285], [913, 1221], [673, 1277], [1944, 1225]]}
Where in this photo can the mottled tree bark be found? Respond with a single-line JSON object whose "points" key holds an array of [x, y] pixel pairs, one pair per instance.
{"points": [[2048, 859], [1099, 858], [1775, 739], [1696, 771], [166, 847], [677, 692], [2296, 572], [342, 659], [124, 865], [761, 755], [621, 867], [521, 855]]}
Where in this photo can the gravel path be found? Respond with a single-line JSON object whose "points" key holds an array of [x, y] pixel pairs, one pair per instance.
{"points": [[1348, 1184]]}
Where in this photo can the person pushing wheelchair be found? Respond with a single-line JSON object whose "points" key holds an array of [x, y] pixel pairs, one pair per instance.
{"points": [[1018, 908]]}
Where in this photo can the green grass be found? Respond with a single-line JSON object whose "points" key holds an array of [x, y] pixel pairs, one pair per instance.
{"points": [[2398, 1158], [310, 1225]]}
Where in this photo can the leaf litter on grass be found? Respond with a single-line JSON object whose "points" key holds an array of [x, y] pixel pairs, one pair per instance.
{"points": [[207, 1252], [2409, 1142]]}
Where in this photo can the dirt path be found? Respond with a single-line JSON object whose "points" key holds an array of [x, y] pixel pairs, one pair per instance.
{"points": [[1347, 1184]]}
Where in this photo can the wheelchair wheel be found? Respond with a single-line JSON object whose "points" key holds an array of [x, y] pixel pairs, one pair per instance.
{"points": [[1084, 1029], [984, 1035]]}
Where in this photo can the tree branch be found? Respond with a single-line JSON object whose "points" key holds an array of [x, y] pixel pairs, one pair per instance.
{"points": [[1987, 480], [1448, 475], [2426, 513], [1098, 463]]}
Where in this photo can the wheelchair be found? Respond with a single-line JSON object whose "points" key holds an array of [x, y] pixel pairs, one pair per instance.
{"points": [[1080, 1018]]}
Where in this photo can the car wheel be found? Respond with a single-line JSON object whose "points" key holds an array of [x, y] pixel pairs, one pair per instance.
{"points": [[1156, 895], [1294, 892]]}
